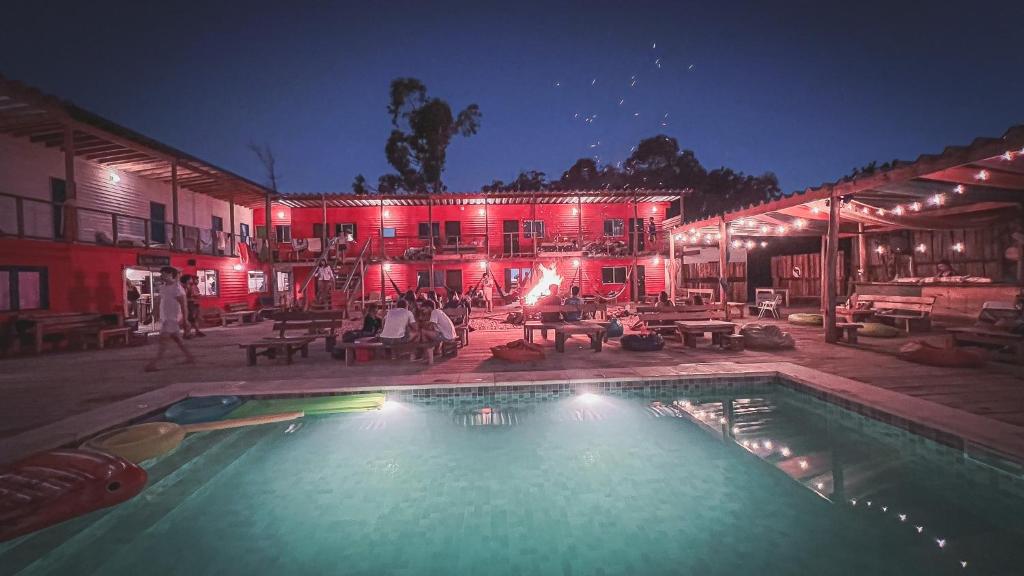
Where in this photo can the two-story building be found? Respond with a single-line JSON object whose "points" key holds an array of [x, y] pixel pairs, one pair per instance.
{"points": [[383, 244], [90, 210]]}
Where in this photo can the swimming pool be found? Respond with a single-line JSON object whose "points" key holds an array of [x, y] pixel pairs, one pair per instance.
{"points": [[743, 478]]}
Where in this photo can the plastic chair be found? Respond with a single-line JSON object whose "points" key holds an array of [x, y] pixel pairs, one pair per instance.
{"points": [[769, 306]]}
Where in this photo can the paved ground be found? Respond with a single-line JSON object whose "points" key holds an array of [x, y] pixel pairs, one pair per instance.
{"points": [[41, 390]]}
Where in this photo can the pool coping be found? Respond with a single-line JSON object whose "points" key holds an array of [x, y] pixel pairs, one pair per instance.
{"points": [[980, 437]]}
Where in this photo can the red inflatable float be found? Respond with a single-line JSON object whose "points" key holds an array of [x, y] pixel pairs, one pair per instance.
{"points": [[51, 487], [518, 351]]}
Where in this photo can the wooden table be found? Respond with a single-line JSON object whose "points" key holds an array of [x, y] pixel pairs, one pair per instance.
{"points": [[594, 331], [854, 315], [690, 329], [273, 346]]}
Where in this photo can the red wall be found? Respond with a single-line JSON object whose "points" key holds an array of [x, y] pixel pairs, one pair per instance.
{"points": [[85, 278]]}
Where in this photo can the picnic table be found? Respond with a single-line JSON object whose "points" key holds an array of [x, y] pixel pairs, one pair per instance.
{"points": [[272, 347], [690, 329], [596, 332]]}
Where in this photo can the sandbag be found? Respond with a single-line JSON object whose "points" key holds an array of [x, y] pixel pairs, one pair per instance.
{"points": [[649, 342], [766, 337], [806, 319], [878, 330], [518, 351], [924, 353]]}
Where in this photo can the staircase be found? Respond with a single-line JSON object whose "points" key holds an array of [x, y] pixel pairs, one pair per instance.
{"points": [[348, 279]]}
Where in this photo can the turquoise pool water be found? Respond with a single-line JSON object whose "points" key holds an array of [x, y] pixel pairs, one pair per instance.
{"points": [[581, 485]]}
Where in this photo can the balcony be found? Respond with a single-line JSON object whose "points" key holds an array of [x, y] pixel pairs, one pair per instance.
{"points": [[41, 220]]}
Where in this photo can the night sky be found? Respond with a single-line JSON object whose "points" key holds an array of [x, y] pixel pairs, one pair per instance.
{"points": [[807, 90]]}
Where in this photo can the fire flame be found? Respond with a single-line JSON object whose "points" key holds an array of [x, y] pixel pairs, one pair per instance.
{"points": [[548, 276]]}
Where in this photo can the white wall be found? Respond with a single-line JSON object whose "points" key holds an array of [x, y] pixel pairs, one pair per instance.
{"points": [[26, 169]]}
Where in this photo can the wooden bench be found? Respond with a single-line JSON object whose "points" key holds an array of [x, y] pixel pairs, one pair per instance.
{"points": [[912, 312], [110, 333], [690, 329], [596, 333], [849, 330], [238, 312], [324, 324], [734, 342], [663, 319], [460, 318], [273, 347], [531, 326], [376, 347], [70, 326], [959, 336]]}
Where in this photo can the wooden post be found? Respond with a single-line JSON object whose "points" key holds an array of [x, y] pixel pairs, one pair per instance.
{"points": [[176, 233], [323, 234], [383, 253], [70, 228], [670, 267], [533, 226], [270, 247], [636, 249], [487, 232], [862, 253], [231, 226], [723, 265], [830, 274], [579, 222], [821, 275], [430, 236]]}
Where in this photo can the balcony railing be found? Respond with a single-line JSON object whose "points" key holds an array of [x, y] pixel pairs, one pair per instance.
{"points": [[42, 220]]}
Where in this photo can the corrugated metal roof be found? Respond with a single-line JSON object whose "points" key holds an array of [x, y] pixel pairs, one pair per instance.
{"points": [[336, 200]]}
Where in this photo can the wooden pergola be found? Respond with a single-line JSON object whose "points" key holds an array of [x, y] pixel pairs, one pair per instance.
{"points": [[976, 183]]}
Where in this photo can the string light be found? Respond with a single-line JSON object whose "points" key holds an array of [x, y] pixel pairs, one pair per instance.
{"points": [[764, 229], [800, 223], [763, 244], [718, 235], [737, 244], [803, 464], [815, 210], [958, 189], [921, 248], [784, 451], [880, 211], [937, 200], [781, 229], [898, 210], [915, 207], [865, 210], [982, 175], [750, 244], [958, 247], [1007, 156], [880, 249]]}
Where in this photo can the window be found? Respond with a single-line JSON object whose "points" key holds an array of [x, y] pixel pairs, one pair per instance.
{"points": [[614, 227], [283, 232], [243, 231], [452, 232], [23, 289], [424, 230], [388, 232], [318, 230], [257, 281], [345, 230], [157, 222], [533, 228], [423, 278], [284, 282], [208, 285], [613, 274], [516, 277], [261, 231], [217, 223]]}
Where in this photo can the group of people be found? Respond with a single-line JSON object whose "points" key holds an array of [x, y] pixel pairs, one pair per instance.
{"points": [[553, 299], [415, 317]]}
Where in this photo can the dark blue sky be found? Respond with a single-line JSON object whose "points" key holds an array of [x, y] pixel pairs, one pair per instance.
{"points": [[805, 89]]}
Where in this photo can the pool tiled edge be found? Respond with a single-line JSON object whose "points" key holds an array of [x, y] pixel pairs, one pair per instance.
{"points": [[983, 439]]}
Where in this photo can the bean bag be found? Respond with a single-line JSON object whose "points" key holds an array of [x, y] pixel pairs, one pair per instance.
{"points": [[878, 330], [518, 351], [643, 342], [766, 337], [924, 353], [806, 319], [614, 328]]}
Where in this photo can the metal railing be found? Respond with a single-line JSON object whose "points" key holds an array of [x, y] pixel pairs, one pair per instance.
{"points": [[42, 220]]}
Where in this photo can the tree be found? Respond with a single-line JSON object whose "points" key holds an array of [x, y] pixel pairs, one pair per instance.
{"points": [[422, 129], [266, 157], [359, 185], [526, 181]]}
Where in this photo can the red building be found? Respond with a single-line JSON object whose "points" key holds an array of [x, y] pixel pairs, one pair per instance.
{"points": [[88, 206], [401, 242]]}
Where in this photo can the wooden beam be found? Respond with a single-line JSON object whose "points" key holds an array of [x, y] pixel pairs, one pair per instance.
{"points": [[862, 253], [968, 176], [723, 265]]}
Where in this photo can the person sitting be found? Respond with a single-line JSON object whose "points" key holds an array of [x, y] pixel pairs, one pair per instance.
{"points": [[397, 323], [441, 328], [552, 299], [371, 326], [410, 299], [698, 300], [573, 300], [456, 300], [663, 301]]}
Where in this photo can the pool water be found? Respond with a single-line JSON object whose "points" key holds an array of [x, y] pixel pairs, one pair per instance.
{"points": [[591, 484]]}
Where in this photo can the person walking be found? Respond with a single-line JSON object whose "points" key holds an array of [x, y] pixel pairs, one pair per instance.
{"points": [[173, 318], [191, 286]]}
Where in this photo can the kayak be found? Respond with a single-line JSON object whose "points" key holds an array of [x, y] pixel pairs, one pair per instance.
{"points": [[312, 405], [201, 409], [140, 442], [54, 486]]}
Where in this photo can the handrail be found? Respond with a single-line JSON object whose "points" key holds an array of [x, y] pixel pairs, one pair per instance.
{"points": [[358, 266]]}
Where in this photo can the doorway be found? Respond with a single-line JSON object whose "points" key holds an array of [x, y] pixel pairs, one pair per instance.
{"points": [[453, 279], [157, 223], [58, 195], [509, 237], [143, 310], [636, 227]]}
